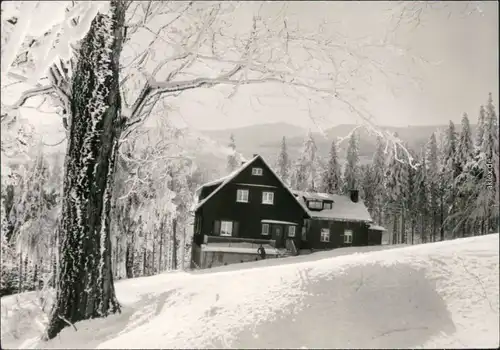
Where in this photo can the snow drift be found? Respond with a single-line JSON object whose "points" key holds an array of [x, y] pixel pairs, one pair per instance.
{"points": [[435, 295]]}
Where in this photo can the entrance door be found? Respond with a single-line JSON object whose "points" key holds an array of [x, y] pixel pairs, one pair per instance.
{"points": [[278, 236]]}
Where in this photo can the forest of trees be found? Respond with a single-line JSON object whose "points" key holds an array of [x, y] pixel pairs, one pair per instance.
{"points": [[150, 230], [453, 192]]}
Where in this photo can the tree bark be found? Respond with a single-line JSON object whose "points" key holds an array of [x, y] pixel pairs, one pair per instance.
{"points": [[395, 228], [441, 220], [412, 229], [129, 262], [160, 262], [21, 275], [174, 251], [403, 226], [153, 257], [144, 255], [35, 277], [85, 287]]}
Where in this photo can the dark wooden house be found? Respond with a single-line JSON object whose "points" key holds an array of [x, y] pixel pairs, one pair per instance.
{"points": [[251, 205], [337, 221]]}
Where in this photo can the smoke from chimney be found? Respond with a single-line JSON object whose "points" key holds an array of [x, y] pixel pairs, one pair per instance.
{"points": [[354, 196]]}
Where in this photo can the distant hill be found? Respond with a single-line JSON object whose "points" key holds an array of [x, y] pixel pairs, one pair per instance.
{"points": [[265, 139]]}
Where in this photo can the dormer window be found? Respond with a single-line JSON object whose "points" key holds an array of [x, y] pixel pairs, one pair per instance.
{"points": [[315, 204], [257, 171]]}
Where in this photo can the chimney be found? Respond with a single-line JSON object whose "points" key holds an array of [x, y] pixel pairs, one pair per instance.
{"points": [[354, 195], [255, 155], [242, 162]]}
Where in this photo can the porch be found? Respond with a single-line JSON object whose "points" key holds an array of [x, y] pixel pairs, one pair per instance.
{"points": [[220, 250]]}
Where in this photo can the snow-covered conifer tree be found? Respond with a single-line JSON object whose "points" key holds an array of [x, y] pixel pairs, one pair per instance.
{"points": [[489, 149], [232, 158], [367, 187], [332, 176], [465, 146], [307, 172], [465, 152], [351, 168], [378, 170], [449, 172], [283, 163], [395, 185], [432, 162], [478, 139], [411, 199], [422, 204]]}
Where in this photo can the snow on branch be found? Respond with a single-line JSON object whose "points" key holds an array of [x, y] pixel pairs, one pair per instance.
{"points": [[200, 50], [43, 90], [389, 137], [52, 28]]}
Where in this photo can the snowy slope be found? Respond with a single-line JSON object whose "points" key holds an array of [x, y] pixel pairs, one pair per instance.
{"points": [[435, 295]]}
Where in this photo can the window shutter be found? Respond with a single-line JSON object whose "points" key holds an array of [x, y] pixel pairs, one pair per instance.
{"points": [[216, 228], [236, 225], [198, 224]]}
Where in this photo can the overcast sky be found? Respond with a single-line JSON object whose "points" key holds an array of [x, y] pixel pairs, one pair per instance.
{"points": [[463, 49]]}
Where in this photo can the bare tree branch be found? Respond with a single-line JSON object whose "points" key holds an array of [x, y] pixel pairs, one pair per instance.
{"points": [[28, 94]]}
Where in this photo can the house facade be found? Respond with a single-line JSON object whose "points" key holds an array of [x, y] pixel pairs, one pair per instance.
{"points": [[337, 221], [252, 203], [252, 207]]}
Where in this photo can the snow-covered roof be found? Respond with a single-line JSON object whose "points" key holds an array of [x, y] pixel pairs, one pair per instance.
{"points": [[376, 228], [214, 182], [343, 208], [315, 195], [235, 173]]}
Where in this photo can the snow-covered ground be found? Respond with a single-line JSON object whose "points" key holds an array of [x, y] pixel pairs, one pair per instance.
{"points": [[439, 295]]}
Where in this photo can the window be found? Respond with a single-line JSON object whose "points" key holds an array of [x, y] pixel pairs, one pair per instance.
{"points": [[315, 204], [265, 229], [267, 198], [325, 235], [304, 234], [257, 171], [327, 205], [348, 236], [226, 228], [291, 231], [242, 196]]}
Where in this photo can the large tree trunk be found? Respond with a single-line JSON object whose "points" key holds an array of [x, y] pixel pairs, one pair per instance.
{"points": [[85, 288]]}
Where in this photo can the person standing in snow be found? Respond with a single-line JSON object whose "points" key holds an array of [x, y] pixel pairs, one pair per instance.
{"points": [[262, 252]]}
